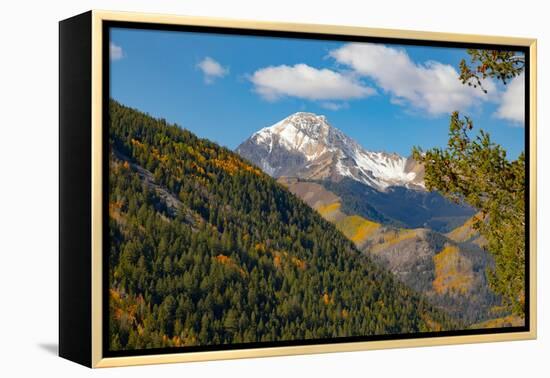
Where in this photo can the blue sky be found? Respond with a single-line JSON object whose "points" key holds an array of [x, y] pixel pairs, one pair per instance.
{"points": [[387, 97]]}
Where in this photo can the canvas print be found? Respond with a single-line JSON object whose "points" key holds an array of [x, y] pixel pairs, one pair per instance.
{"points": [[279, 190]]}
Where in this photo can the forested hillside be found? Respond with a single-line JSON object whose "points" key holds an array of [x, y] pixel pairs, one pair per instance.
{"points": [[207, 249]]}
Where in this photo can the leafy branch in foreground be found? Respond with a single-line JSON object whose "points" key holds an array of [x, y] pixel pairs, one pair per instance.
{"points": [[496, 64], [477, 171]]}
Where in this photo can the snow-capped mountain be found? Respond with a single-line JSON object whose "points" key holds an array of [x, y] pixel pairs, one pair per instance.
{"points": [[305, 145]]}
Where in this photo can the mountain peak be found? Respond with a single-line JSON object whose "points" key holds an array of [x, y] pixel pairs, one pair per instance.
{"points": [[304, 133], [311, 124], [305, 145], [306, 116]]}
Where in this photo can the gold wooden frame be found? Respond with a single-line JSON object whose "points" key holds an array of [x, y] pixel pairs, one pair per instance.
{"points": [[97, 354]]}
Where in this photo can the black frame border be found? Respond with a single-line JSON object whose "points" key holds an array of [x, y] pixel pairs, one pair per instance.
{"points": [[107, 25], [75, 182]]}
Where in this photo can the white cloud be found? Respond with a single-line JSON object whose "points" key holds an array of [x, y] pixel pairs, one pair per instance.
{"points": [[512, 106], [115, 51], [307, 82], [433, 86], [212, 70]]}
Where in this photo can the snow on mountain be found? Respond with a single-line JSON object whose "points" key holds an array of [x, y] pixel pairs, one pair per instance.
{"points": [[305, 145]]}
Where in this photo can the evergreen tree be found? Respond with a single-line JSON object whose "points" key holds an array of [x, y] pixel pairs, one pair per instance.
{"points": [[476, 170]]}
